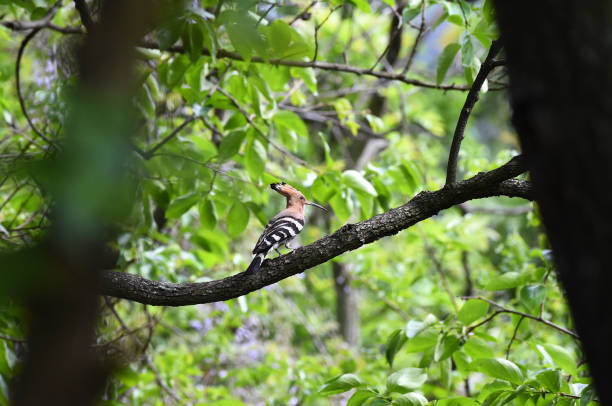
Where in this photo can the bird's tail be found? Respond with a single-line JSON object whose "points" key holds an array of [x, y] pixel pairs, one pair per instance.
{"points": [[255, 263]]}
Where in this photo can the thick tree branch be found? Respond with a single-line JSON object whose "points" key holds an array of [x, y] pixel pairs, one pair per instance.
{"points": [[83, 10], [347, 238], [487, 66]]}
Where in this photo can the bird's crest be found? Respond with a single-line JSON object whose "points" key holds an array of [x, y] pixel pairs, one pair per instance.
{"points": [[285, 189]]}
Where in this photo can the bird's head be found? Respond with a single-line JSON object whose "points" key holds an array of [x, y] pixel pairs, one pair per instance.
{"points": [[295, 198]]}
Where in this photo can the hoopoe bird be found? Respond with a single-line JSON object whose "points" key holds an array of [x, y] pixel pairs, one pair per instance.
{"points": [[283, 227]]}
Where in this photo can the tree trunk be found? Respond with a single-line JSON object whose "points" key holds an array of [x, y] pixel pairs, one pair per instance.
{"points": [[347, 304], [559, 56]]}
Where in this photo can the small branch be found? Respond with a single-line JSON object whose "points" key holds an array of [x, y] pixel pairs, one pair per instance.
{"points": [[503, 309], [335, 67], [303, 12], [248, 117], [396, 30], [81, 7], [470, 101], [149, 154], [514, 336], [438, 266], [417, 40], [146, 358], [30, 25], [22, 47], [12, 339], [316, 32]]}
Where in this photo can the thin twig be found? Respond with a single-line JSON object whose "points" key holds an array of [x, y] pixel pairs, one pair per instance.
{"points": [[146, 358], [206, 165], [189, 119], [148, 154], [417, 40], [264, 15], [12, 339], [396, 30], [263, 135], [514, 336], [470, 101], [303, 12], [503, 309], [316, 32], [25, 42], [438, 266]]}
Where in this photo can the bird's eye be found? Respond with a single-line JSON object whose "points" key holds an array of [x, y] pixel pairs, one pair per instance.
{"points": [[302, 198]]}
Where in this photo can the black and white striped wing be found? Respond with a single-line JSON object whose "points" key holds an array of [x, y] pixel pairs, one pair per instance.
{"points": [[279, 231]]}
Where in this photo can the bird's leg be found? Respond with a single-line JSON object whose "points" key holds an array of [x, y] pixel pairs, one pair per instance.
{"points": [[277, 251]]}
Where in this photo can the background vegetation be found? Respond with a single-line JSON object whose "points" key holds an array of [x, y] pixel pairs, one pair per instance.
{"points": [[353, 102]]}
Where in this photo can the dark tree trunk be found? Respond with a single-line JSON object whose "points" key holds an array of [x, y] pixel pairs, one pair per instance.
{"points": [[347, 304], [559, 56]]}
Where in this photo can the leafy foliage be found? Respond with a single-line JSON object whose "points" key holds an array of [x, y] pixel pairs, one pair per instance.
{"points": [[230, 100]]}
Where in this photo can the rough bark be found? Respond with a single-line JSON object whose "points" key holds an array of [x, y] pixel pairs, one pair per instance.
{"points": [[349, 237], [61, 366], [559, 55]]}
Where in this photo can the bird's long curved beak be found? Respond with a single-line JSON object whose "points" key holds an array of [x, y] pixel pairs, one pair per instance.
{"points": [[315, 205]]}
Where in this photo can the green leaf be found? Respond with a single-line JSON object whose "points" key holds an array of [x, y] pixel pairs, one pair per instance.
{"points": [[255, 158], [279, 34], [424, 340], [181, 204], [410, 399], [455, 13], [362, 5], [467, 51], [406, 380], [176, 70], [396, 341], [308, 76], [586, 395], [169, 33], [414, 327], [230, 145], [409, 13], [478, 348], [472, 310], [360, 397], [507, 280], [532, 297], [208, 215], [550, 379], [193, 40], [289, 125], [446, 346], [560, 356], [445, 60], [342, 205], [242, 30], [328, 159], [357, 182], [340, 384], [499, 368], [237, 219], [321, 190], [446, 372]]}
